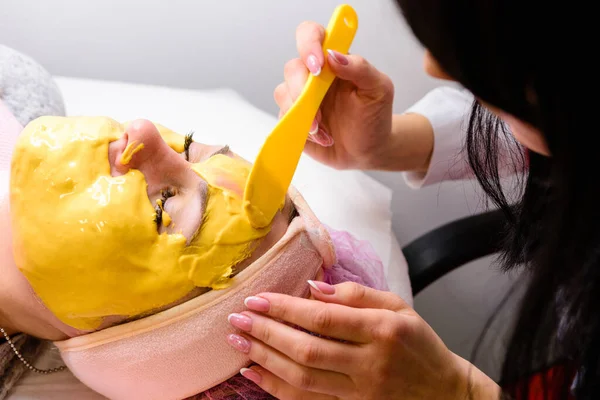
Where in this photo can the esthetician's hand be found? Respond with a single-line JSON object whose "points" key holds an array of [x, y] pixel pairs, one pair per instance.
{"points": [[380, 349], [355, 120]]}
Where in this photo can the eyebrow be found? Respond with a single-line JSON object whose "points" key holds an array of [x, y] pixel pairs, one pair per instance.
{"points": [[223, 150], [204, 202], [204, 195]]}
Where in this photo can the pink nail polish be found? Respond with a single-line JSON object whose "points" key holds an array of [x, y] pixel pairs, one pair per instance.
{"points": [[239, 343], [257, 304], [321, 138], [312, 62], [240, 321], [251, 375], [338, 57], [314, 128], [322, 287]]}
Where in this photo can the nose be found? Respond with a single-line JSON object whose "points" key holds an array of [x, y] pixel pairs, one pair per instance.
{"points": [[143, 143], [143, 148]]}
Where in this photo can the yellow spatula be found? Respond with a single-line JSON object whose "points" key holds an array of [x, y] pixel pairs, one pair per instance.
{"points": [[274, 168]]}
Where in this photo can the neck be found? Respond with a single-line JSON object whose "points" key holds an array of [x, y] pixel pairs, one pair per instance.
{"points": [[7, 326], [6, 261]]}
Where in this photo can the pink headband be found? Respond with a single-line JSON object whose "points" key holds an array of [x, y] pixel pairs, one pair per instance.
{"points": [[182, 351]]}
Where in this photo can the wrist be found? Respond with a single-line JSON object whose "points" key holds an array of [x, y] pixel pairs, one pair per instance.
{"points": [[408, 146], [471, 383]]}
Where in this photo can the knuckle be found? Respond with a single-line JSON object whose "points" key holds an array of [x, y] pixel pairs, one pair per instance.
{"points": [[355, 291], [303, 25], [289, 65], [280, 308], [381, 373], [307, 26], [271, 387], [307, 354], [361, 62], [303, 380], [392, 330], [292, 67], [323, 318], [265, 333], [388, 86], [260, 356], [294, 395], [279, 92]]}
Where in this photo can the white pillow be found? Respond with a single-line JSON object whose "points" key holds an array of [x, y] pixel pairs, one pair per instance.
{"points": [[345, 200]]}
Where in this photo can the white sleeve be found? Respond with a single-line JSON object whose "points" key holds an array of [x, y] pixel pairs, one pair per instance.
{"points": [[448, 110]]}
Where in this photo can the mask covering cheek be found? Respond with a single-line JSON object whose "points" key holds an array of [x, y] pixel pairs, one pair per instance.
{"points": [[226, 237], [85, 240]]}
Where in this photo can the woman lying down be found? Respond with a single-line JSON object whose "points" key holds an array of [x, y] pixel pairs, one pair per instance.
{"points": [[128, 247]]}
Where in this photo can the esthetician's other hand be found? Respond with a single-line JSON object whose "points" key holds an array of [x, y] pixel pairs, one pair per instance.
{"points": [[355, 119], [380, 349]]}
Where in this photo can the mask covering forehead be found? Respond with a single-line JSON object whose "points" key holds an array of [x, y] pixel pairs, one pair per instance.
{"points": [[87, 241], [182, 352]]}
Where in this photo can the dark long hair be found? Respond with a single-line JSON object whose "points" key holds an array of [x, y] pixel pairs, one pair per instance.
{"points": [[525, 57]]}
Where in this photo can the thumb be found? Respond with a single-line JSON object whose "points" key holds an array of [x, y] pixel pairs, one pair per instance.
{"points": [[352, 294], [359, 71]]}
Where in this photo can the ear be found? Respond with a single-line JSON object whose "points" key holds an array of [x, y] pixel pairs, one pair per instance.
{"points": [[433, 68]]}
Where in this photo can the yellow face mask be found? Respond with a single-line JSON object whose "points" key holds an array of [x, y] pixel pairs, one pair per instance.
{"points": [[87, 241], [226, 237]]}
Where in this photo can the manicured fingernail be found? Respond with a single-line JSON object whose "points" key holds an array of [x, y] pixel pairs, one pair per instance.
{"points": [[251, 374], [338, 57], [240, 321], [312, 62], [239, 343], [314, 128], [321, 138], [257, 304], [322, 287]]}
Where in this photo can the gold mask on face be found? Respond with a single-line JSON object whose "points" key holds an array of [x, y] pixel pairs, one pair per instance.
{"points": [[226, 237], [87, 241]]}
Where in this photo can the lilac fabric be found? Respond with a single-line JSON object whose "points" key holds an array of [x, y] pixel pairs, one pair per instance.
{"points": [[356, 262]]}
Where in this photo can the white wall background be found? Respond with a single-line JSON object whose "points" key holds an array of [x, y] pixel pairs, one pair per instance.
{"points": [[242, 44]]}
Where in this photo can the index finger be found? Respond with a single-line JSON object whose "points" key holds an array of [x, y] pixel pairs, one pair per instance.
{"points": [[332, 320], [309, 40]]}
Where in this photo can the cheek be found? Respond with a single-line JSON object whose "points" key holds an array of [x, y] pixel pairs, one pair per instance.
{"points": [[527, 135], [185, 212], [227, 183], [433, 68]]}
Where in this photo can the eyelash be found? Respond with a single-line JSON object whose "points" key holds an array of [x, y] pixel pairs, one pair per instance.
{"points": [[158, 210], [189, 138]]}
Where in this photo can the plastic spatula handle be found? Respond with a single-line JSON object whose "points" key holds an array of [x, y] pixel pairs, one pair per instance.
{"points": [[274, 168]]}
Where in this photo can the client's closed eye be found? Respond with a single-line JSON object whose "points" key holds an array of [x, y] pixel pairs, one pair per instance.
{"points": [[160, 206], [197, 153], [183, 206]]}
